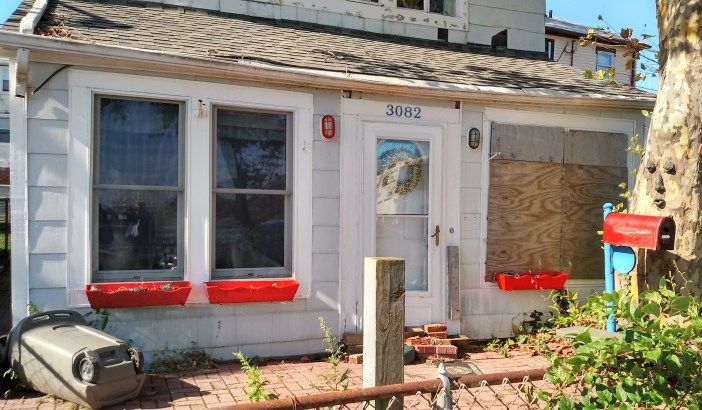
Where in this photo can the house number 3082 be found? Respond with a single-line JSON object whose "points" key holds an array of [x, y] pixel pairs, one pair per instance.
{"points": [[403, 111]]}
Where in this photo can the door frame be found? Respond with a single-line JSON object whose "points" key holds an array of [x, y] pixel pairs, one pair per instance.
{"points": [[354, 230]]}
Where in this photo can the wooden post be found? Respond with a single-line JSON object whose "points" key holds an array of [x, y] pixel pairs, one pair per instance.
{"points": [[454, 291], [383, 325]]}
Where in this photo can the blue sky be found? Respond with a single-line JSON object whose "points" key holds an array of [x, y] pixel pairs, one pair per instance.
{"points": [[6, 8], [637, 14]]}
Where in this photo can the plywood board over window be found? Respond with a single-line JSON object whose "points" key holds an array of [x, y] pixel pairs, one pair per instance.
{"points": [[547, 187]]}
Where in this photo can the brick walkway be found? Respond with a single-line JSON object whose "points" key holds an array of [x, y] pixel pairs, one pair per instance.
{"points": [[225, 386]]}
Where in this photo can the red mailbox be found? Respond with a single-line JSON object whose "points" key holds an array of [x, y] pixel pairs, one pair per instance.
{"points": [[639, 231]]}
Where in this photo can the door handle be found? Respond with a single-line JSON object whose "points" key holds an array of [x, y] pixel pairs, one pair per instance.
{"points": [[437, 231]]}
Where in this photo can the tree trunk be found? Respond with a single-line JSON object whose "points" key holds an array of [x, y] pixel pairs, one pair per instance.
{"points": [[668, 180]]}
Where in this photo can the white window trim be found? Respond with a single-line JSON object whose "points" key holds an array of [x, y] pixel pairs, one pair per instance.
{"points": [[198, 156], [542, 119]]}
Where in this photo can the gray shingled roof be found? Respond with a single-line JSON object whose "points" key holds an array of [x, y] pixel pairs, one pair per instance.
{"points": [[561, 26], [219, 36]]}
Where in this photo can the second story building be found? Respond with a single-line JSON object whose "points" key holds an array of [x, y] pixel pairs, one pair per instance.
{"points": [[563, 46]]}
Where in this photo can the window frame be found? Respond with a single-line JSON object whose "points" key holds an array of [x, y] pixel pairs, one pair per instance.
{"points": [[130, 275], [198, 96], [285, 271]]}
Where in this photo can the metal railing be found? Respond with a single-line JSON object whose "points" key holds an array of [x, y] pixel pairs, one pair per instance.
{"points": [[504, 390]]}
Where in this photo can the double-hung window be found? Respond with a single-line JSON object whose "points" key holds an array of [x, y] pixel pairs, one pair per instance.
{"points": [[252, 193], [137, 202]]}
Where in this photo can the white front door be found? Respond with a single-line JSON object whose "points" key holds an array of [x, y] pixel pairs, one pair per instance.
{"points": [[402, 208]]}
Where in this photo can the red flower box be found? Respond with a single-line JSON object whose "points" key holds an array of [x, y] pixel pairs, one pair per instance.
{"points": [[243, 291], [137, 294], [531, 280]]}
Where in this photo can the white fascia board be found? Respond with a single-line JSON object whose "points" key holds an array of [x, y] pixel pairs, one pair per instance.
{"points": [[83, 53], [31, 19]]}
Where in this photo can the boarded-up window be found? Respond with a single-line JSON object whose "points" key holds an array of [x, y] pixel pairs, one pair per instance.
{"points": [[547, 188]]}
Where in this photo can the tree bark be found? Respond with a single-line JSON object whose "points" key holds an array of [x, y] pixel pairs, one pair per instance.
{"points": [[668, 180]]}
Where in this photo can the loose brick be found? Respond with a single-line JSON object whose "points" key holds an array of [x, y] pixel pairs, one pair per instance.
{"points": [[425, 349], [416, 341], [435, 327], [356, 359], [450, 350], [438, 335]]}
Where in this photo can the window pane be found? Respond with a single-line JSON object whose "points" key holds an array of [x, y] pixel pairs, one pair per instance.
{"points": [[446, 7], [138, 230], [405, 237], [251, 150], [250, 231], [402, 178], [605, 59], [411, 4], [138, 142]]}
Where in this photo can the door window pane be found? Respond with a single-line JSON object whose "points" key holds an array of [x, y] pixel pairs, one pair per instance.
{"points": [[250, 231], [138, 142], [405, 237], [402, 179], [251, 150], [137, 230]]}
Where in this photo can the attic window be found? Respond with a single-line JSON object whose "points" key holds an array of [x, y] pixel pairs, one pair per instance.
{"points": [[499, 40], [446, 7]]}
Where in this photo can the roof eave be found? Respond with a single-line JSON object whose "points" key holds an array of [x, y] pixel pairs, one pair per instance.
{"points": [[577, 35], [88, 54]]}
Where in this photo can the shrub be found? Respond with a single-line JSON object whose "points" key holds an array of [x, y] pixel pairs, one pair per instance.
{"points": [[655, 364]]}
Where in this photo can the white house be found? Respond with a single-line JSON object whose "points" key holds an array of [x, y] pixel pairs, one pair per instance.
{"points": [[182, 141]]}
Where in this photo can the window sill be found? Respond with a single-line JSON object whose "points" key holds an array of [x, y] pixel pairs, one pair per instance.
{"points": [[249, 291], [137, 294], [531, 281]]}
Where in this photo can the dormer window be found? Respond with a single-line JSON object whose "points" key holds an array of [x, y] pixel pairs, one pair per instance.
{"points": [[446, 7]]}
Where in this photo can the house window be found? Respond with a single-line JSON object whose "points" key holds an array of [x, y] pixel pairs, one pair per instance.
{"points": [[605, 59], [550, 46], [5, 76], [252, 194], [137, 190], [447, 7]]}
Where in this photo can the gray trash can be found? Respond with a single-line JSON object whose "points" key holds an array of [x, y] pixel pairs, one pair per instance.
{"points": [[57, 353]]}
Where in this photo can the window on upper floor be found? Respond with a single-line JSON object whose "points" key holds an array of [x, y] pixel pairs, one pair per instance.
{"points": [[447, 7], [550, 46], [5, 76], [605, 59], [252, 194], [137, 190]]}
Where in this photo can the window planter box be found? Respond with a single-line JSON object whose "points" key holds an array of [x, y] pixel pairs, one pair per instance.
{"points": [[137, 294], [530, 280], [247, 291]]}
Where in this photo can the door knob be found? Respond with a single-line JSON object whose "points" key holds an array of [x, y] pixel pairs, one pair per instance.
{"points": [[437, 231]]}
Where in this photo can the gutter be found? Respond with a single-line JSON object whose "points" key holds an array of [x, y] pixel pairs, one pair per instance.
{"points": [[56, 50]]}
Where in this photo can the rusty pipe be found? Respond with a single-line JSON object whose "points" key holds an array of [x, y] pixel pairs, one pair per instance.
{"points": [[325, 399]]}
